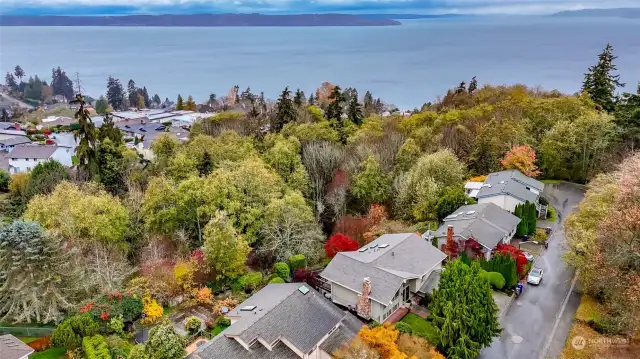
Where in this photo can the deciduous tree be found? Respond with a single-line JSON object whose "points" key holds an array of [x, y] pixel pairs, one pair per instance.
{"points": [[339, 243], [225, 250], [521, 158], [371, 185], [165, 343], [451, 199]]}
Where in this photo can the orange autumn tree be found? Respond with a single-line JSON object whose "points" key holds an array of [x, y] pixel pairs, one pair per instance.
{"points": [[383, 339], [324, 92], [522, 158]]}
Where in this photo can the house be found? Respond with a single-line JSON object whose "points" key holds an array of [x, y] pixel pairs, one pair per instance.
{"points": [[510, 188], [472, 188], [12, 136], [13, 348], [25, 157], [10, 126], [282, 321], [381, 277], [53, 121], [486, 223]]}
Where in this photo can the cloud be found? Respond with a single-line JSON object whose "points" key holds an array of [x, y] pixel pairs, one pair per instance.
{"points": [[119, 7]]}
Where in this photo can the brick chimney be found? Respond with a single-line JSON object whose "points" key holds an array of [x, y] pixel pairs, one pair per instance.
{"points": [[449, 233], [450, 248], [363, 306]]}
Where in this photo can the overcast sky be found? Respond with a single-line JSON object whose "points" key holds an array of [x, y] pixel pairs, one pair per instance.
{"points": [[518, 7]]}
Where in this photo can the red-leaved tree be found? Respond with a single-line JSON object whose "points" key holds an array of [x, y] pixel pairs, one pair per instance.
{"points": [[515, 253], [339, 243]]}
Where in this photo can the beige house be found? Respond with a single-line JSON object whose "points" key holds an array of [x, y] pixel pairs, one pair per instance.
{"points": [[282, 321], [383, 276]]}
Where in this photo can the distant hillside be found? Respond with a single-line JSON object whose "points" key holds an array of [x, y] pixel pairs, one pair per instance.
{"points": [[198, 20], [410, 16], [630, 13]]}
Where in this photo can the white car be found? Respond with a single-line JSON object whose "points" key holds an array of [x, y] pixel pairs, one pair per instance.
{"points": [[535, 276], [529, 256]]}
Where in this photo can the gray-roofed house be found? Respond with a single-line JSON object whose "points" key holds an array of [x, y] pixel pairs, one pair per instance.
{"points": [[510, 188], [487, 223], [8, 144], [13, 348], [23, 158], [282, 321], [381, 277]]}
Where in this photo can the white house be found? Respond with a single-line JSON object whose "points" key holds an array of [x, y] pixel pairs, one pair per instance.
{"points": [[507, 189], [24, 158], [13, 348], [383, 276], [282, 321], [487, 223]]}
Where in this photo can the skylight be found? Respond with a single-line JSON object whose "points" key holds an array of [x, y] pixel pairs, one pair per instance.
{"points": [[248, 308], [384, 245], [363, 249], [373, 246], [304, 290], [471, 212]]}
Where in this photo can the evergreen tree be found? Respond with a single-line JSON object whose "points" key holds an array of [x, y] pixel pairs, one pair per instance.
{"points": [[61, 84], [5, 115], [601, 82], [86, 151], [10, 81], [102, 105], [262, 103], [521, 229], [285, 111], [111, 166], [38, 281], [354, 112], [312, 100], [473, 85], [247, 95], [212, 99], [299, 98], [19, 72], [532, 219], [368, 104], [206, 165], [145, 95], [190, 104], [156, 100], [334, 110], [108, 130], [115, 93], [462, 88], [180, 103], [134, 95], [254, 122], [627, 117], [463, 311]]}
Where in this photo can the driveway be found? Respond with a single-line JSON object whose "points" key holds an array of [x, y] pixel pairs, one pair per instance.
{"points": [[538, 322]]}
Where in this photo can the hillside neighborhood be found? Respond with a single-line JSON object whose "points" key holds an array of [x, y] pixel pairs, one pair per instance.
{"points": [[496, 222]]}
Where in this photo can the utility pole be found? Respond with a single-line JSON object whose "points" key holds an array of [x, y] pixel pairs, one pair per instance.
{"points": [[78, 84]]}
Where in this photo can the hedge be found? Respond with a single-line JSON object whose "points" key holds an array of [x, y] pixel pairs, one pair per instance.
{"points": [[297, 261], [281, 269], [276, 280], [251, 280], [404, 327]]}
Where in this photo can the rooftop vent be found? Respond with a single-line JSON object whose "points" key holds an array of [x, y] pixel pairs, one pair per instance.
{"points": [[248, 308], [304, 290], [383, 246]]}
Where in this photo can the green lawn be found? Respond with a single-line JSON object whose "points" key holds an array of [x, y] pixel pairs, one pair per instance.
{"points": [[53, 353], [422, 328], [551, 181], [218, 329]]}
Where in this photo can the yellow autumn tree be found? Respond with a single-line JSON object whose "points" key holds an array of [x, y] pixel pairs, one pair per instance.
{"points": [[152, 311], [184, 271], [204, 296], [383, 339]]}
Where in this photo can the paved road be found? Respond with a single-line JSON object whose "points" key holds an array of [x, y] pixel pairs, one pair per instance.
{"points": [[531, 318]]}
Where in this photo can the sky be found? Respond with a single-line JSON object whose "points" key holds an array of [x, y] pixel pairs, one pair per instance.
{"points": [[475, 7]]}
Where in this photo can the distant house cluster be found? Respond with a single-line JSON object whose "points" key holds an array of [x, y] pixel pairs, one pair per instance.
{"points": [[18, 153]]}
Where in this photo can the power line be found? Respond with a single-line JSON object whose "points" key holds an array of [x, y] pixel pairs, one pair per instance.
{"points": [[78, 84]]}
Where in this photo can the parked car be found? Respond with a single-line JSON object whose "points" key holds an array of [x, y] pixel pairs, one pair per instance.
{"points": [[535, 276], [529, 256]]}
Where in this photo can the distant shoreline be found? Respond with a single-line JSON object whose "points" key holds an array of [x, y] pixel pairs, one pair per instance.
{"points": [[200, 20]]}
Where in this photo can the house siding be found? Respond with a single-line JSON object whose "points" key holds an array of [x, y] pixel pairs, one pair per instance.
{"points": [[64, 156], [343, 296], [508, 203]]}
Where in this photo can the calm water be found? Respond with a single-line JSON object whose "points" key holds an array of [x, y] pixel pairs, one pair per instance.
{"points": [[405, 65]]}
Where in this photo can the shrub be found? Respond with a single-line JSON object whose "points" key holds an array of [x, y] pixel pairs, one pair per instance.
{"points": [[204, 296], [541, 235], [118, 347], [339, 243], [69, 333], [276, 280], [152, 311], [281, 269], [301, 275], [297, 261], [417, 347], [227, 302], [4, 180], [139, 351], [223, 321], [403, 327], [552, 214], [496, 280], [40, 344], [116, 325], [192, 325], [250, 281], [95, 347]]}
